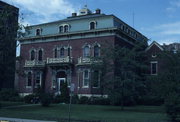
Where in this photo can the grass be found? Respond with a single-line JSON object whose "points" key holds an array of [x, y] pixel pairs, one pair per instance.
{"points": [[88, 112], [8, 104]]}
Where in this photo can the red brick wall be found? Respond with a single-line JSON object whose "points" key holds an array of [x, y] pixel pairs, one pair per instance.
{"points": [[48, 53]]}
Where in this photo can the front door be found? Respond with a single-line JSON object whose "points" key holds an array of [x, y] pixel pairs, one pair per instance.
{"points": [[59, 82]]}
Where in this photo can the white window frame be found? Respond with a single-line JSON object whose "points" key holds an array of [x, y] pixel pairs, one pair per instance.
{"points": [[63, 28], [98, 45], [154, 62], [86, 86], [40, 80]]}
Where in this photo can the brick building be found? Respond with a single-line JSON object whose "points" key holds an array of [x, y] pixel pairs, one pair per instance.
{"points": [[64, 50], [8, 33]]}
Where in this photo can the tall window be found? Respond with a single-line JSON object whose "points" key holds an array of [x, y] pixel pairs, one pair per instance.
{"points": [[85, 78], [86, 51], [40, 55], [66, 28], [38, 32], [61, 29], [92, 25], [38, 79], [154, 68], [96, 79], [96, 51], [69, 51], [62, 52], [29, 79], [55, 53], [32, 55]]}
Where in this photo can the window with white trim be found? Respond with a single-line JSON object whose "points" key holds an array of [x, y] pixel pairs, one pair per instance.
{"points": [[86, 51], [154, 68], [86, 78], [60, 29], [62, 52], [96, 51], [66, 28], [38, 79]]}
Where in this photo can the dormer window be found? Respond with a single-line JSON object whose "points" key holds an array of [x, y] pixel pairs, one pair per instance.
{"points": [[38, 32], [66, 28], [60, 29], [92, 25]]}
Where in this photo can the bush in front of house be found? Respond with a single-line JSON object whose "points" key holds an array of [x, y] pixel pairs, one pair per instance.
{"points": [[172, 105], [29, 98], [99, 101], [83, 100], [45, 99], [75, 99], [9, 95]]}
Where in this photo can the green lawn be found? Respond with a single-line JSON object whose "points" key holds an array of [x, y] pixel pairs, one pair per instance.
{"points": [[8, 104], [88, 112]]}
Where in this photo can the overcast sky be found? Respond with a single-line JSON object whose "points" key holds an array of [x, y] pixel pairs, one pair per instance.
{"points": [[158, 20]]}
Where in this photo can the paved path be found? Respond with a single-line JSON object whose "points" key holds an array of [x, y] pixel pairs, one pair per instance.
{"points": [[21, 120]]}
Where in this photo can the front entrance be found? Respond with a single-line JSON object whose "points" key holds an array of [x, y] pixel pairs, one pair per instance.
{"points": [[59, 82], [61, 79]]}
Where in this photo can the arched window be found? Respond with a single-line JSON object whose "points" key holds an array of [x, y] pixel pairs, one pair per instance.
{"points": [[55, 53], [29, 79], [96, 51], [60, 29], [66, 28], [62, 52], [32, 55], [38, 32], [92, 25], [40, 55], [86, 51]]}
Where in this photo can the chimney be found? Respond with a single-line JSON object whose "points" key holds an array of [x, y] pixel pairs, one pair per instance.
{"points": [[74, 14], [98, 11]]}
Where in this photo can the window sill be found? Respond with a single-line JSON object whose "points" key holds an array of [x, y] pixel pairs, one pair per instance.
{"points": [[85, 87]]}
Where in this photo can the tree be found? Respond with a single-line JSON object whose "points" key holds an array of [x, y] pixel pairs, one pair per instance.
{"points": [[169, 84], [8, 32], [125, 68]]}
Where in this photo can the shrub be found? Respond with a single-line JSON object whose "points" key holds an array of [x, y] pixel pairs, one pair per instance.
{"points": [[29, 98], [83, 100], [9, 95], [99, 101], [172, 105], [45, 99], [75, 99]]}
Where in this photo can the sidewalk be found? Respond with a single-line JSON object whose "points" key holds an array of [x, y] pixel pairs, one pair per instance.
{"points": [[3, 119]]}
